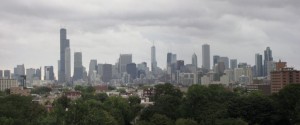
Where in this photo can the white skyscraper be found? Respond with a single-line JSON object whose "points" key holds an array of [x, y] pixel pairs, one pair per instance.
{"points": [[153, 59], [68, 64], [206, 56], [92, 68], [195, 60]]}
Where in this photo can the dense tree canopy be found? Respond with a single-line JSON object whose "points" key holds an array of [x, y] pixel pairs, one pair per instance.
{"points": [[200, 105]]}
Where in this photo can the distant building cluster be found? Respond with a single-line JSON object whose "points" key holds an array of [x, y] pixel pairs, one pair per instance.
{"points": [[266, 75]]}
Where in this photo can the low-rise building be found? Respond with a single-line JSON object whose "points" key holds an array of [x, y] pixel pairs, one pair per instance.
{"points": [[73, 95], [8, 83], [20, 91]]}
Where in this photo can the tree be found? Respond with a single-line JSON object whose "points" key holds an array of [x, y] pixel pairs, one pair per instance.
{"points": [[287, 102], [166, 89], [41, 90], [231, 121], [158, 119], [101, 97], [134, 100], [253, 108], [206, 104], [182, 121], [16, 109]]}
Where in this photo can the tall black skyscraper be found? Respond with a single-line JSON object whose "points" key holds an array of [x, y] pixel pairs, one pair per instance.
{"points": [[107, 72], [258, 65], [132, 70], [64, 43]]}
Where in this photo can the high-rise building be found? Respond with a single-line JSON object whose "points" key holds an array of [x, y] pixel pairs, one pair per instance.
{"points": [[206, 56], [267, 60], [153, 59], [99, 69], [38, 73], [1, 74], [216, 59], [258, 65], [78, 68], [225, 60], [233, 64], [131, 70], [7, 74], [92, 68], [169, 59], [67, 64], [19, 72], [64, 43], [49, 73], [30, 74], [180, 65], [174, 58], [123, 61], [195, 60], [107, 72]]}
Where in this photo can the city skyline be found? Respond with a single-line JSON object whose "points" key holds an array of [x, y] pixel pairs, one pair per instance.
{"points": [[34, 41]]}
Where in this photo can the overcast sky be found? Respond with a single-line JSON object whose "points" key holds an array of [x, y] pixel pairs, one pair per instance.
{"points": [[29, 29]]}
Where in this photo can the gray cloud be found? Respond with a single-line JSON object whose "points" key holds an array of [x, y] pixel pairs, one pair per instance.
{"points": [[102, 30]]}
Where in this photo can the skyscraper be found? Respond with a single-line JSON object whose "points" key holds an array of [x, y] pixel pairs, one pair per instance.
{"points": [[195, 60], [38, 73], [49, 74], [226, 61], [267, 61], [64, 43], [258, 65], [131, 70], [206, 56], [92, 68], [78, 68], [216, 59], [68, 64], [1, 74], [123, 61], [233, 64], [107, 72], [153, 59], [169, 59], [7, 74], [30, 73], [19, 71], [179, 65]]}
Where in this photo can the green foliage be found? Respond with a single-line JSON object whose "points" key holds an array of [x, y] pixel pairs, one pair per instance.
{"points": [[85, 89], [134, 100], [287, 102], [231, 121], [20, 110], [206, 104], [41, 90], [158, 119], [203, 105], [111, 88], [166, 89], [122, 91], [253, 108], [182, 121]]}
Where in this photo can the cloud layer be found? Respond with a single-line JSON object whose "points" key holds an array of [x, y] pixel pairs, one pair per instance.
{"points": [[102, 30]]}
